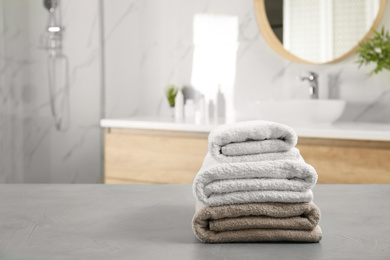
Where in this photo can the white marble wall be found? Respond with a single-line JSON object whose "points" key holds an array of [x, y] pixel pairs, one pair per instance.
{"points": [[32, 150], [149, 45]]}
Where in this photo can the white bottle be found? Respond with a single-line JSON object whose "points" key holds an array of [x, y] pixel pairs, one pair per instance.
{"points": [[179, 105], [202, 105], [220, 104], [200, 112], [189, 109]]}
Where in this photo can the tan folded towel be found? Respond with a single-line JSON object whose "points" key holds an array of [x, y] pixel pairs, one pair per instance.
{"points": [[257, 222]]}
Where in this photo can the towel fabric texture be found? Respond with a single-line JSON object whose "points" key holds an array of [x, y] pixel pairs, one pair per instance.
{"points": [[257, 222], [254, 186], [286, 181], [253, 141]]}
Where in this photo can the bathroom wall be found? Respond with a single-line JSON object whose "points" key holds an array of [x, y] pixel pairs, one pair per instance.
{"points": [[148, 44], [32, 150]]}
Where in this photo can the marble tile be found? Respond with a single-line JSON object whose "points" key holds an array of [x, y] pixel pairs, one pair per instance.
{"points": [[35, 151], [150, 45]]}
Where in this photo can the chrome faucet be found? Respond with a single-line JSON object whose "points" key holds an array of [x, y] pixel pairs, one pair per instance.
{"points": [[312, 78]]}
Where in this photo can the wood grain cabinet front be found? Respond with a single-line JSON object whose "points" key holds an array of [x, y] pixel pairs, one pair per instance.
{"points": [[347, 161], [152, 157], [146, 156]]}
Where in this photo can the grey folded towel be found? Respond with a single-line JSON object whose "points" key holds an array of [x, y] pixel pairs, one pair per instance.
{"points": [[257, 222], [287, 181], [253, 141]]}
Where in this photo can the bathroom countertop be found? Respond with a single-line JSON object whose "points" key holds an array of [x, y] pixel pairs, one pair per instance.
{"points": [[339, 130], [50, 221]]}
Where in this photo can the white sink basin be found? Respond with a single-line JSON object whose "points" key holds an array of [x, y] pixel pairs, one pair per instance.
{"points": [[294, 111]]}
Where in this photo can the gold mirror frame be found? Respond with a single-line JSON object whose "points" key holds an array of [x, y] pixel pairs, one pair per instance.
{"points": [[273, 41]]}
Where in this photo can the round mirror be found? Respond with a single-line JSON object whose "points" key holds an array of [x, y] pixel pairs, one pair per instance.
{"points": [[317, 31]]}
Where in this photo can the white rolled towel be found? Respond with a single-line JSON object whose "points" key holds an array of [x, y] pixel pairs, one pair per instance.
{"points": [[253, 141]]}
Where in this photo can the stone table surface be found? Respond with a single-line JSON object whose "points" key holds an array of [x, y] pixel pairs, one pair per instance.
{"points": [[77, 221]]}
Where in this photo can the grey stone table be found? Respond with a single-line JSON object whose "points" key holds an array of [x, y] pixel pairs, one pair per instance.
{"points": [[154, 222]]}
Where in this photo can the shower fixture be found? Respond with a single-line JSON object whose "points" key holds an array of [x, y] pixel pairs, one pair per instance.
{"points": [[57, 64]]}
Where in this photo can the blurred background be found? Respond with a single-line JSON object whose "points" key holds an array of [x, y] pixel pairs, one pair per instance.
{"points": [[88, 88]]}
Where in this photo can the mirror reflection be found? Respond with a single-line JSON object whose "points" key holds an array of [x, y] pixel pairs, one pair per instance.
{"points": [[321, 30]]}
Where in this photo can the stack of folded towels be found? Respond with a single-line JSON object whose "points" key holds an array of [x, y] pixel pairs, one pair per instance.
{"points": [[254, 186]]}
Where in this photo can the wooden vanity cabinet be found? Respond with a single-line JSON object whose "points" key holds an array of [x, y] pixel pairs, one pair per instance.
{"points": [[148, 156], [156, 156], [347, 161]]}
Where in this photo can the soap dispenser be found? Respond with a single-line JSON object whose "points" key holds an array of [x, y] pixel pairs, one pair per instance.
{"points": [[179, 105], [189, 109]]}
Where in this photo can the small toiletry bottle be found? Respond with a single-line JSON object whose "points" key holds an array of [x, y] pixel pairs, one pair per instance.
{"points": [[200, 113], [220, 104], [179, 105], [211, 111], [202, 105], [189, 109]]}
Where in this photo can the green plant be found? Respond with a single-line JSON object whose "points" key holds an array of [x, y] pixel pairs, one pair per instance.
{"points": [[171, 92], [376, 50]]}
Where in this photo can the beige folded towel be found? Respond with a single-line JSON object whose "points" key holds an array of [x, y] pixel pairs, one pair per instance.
{"points": [[257, 222]]}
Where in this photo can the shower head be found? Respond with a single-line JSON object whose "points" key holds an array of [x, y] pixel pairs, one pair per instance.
{"points": [[50, 5]]}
